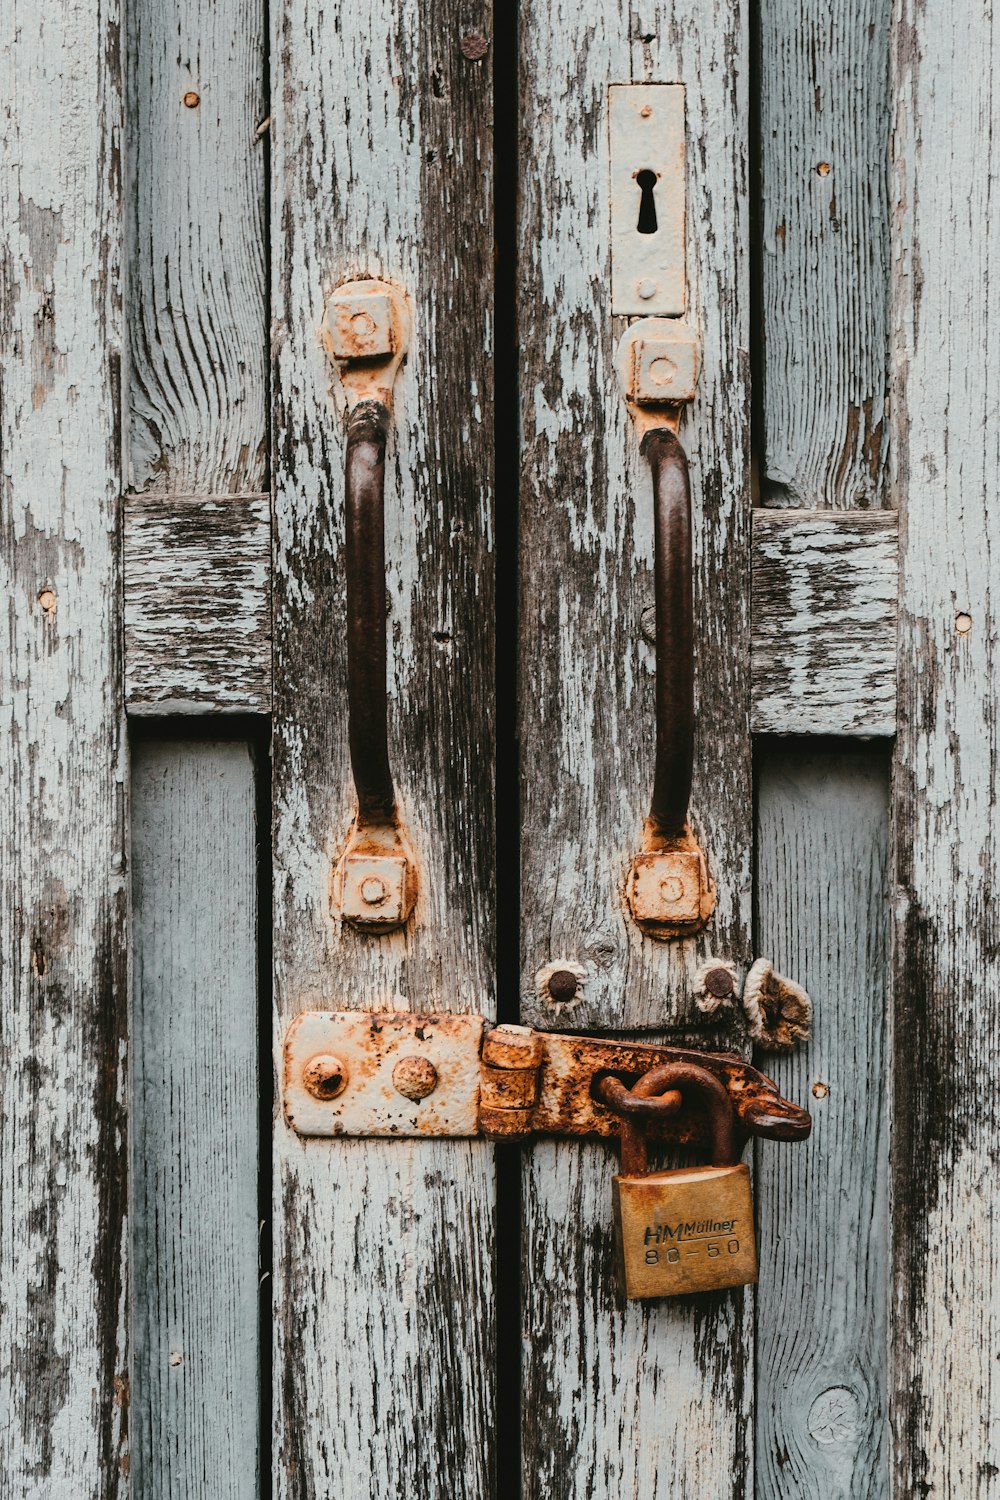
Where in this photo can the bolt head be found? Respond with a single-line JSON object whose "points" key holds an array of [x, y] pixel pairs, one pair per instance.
{"points": [[563, 984], [373, 890], [415, 1077], [647, 288], [325, 1076], [360, 324], [666, 887], [719, 983]]}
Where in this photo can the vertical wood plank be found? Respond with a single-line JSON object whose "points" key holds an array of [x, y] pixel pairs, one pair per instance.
{"points": [[63, 886], [946, 965], [197, 247], [383, 1249], [824, 252], [586, 697], [822, 1397], [624, 1400], [195, 1336]]}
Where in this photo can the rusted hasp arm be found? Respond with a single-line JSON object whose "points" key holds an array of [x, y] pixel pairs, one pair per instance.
{"points": [[404, 1073], [534, 1082]]}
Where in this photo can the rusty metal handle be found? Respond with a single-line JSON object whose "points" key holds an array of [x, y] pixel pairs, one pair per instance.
{"points": [[674, 598], [367, 711]]}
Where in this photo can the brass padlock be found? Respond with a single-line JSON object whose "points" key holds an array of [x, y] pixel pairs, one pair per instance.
{"points": [[690, 1229]]}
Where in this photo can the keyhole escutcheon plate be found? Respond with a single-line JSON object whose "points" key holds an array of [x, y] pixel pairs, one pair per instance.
{"points": [[646, 125]]}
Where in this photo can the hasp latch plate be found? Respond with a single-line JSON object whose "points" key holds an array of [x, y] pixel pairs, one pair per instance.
{"points": [[359, 1073]]}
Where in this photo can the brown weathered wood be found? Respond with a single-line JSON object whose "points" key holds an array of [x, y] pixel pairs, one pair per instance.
{"points": [[821, 1429], [586, 689], [63, 881], [198, 604], [619, 1399], [824, 622], [384, 1334], [946, 967], [824, 253], [197, 309]]}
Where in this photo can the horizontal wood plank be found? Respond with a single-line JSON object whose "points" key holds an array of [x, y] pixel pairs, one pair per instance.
{"points": [[198, 637], [198, 604], [824, 622]]}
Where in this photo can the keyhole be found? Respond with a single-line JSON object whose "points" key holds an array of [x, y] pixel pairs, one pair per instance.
{"points": [[647, 208]]}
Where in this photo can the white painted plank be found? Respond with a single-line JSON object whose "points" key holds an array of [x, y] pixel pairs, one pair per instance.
{"points": [[197, 308], [384, 1331], [824, 253], [195, 1338], [822, 1397], [824, 622], [946, 473], [63, 883], [197, 604], [587, 732]]}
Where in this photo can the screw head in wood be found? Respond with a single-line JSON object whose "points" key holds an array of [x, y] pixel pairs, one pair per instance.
{"points": [[719, 983], [563, 984], [415, 1077], [474, 45], [325, 1076], [191, 99]]}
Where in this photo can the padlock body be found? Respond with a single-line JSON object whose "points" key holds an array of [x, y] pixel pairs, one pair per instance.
{"points": [[685, 1231]]}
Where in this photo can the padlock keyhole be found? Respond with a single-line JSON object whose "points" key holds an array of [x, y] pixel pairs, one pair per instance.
{"points": [[646, 181]]}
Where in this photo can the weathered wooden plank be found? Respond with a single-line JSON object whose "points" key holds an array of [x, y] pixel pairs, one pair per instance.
{"points": [[586, 721], [383, 1249], [824, 252], [195, 1337], [946, 968], [198, 604], [197, 613], [822, 1397], [63, 886], [824, 622], [197, 308], [586, 694]]}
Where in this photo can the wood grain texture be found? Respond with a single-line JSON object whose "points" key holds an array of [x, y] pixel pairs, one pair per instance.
{"points": [[383, 1250], [197, 247], [821, 1393], [63, 886], [824, 622], [197, 604], [644, 1401], [586, 692], [946, 1032], [195, 1338], [621, 1401], [824, 252]]}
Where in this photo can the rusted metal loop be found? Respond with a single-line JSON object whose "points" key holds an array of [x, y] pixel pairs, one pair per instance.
{"points": [[695, 1084], [623, 1101], [674, 599], [367, 713]]}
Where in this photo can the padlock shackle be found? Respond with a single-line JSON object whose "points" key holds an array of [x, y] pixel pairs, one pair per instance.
{"points": [[690, 1080]]}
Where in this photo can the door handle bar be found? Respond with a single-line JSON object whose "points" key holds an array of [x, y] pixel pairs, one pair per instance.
{"points": [[367, 709], [366, 334], [670, 892]]}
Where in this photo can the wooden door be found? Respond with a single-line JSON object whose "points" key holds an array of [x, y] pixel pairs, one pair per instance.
{"points": [[194, 1300]]}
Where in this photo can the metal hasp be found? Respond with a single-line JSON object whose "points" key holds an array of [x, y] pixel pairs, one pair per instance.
{"points": [[670, 892], [366, 333], [406, 1074]]}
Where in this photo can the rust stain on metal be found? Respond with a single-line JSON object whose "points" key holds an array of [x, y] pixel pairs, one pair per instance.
{"points": [[377, 1050], [570, 1070]]}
